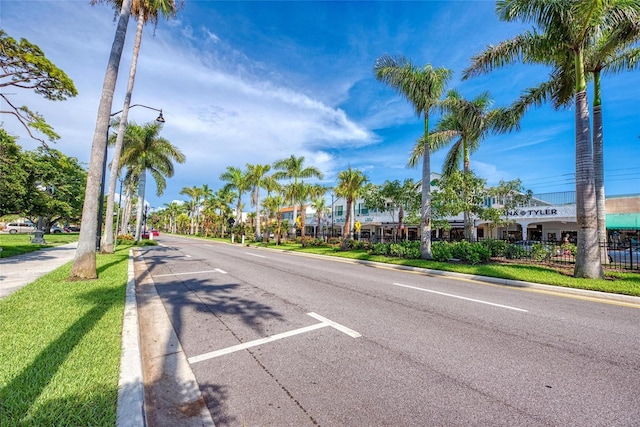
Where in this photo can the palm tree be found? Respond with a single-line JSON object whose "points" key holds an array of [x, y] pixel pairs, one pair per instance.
{"points": [[144, 150], [257, 181], [423, 89], [350, 185], [273, 204], [173, 209], [221, 201], [145, 10], [236, 180], [292, 168], [466, 123], [195, 194], [84, 262], [319, 204], [316, 194], [610, 50], [566, 30]]}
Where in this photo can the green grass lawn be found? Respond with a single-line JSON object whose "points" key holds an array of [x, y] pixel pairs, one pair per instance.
{"points": [[16, 244], [60, 344]]}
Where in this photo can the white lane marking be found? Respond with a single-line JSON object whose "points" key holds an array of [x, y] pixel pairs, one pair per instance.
{"points": [[324, 323], [217, 270], [463, 298], [249, 344], [255, 255], [335, 325]]}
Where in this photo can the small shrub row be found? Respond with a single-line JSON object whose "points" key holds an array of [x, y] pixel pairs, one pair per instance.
{"points": [[405, 249]]}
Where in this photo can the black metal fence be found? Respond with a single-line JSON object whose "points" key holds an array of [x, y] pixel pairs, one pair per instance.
{"points": [[614, 256]]}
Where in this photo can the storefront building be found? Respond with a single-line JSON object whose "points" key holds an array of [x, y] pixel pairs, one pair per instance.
{"points": [[547, 217]]}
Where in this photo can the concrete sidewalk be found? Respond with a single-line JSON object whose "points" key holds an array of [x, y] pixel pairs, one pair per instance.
{"points": [[20, 270]]}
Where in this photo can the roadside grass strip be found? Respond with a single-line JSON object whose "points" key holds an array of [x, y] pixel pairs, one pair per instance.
{"points": [[61, 348], [324, 322]]}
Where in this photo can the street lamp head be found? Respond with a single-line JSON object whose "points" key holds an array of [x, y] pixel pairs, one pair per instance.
{"points": [[160, 119]]}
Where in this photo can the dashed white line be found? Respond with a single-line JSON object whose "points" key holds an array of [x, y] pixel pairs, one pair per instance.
{"points": [[255, 255], [462, 298]]}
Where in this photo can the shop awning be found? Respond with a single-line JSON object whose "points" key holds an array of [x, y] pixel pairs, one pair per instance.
{"points": [[623, 221]]}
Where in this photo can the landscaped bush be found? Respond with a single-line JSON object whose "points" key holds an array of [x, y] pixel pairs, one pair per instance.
{"points": [[478, 253], [515, 252], [441, 251], [540, 252], [460, 250], [316, 242], [380, 249], [412, 249], [496, 247], [396, 249]]}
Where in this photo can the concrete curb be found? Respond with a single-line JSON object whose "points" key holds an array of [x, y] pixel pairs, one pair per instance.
{"points": [[171, 393], [130, 386]]}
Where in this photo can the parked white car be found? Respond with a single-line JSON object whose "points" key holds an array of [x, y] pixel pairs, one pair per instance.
{"points": [[19, 227]]}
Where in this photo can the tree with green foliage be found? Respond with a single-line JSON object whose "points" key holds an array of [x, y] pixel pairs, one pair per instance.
{"points": [[258, 180], [466, 123], [459, 192], [394, 197], [24, 66], [238, 180], [43, 182], [274, 203], [423, 89], [508, 195], [564, 32], [145, 150], [195, 193], [609, 49], [145, 11], [13, 176], [350, 186], [293, 168]]}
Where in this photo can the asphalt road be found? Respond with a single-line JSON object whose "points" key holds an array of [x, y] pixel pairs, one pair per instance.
{"points": [[283, 339]]}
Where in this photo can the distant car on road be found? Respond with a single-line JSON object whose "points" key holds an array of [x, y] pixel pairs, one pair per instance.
{"points": [[58, 230], [19, 227], [73, 229], [145, 234]]}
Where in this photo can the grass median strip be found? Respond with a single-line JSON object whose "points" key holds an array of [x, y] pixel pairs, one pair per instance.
{"points": [[61, 344]]}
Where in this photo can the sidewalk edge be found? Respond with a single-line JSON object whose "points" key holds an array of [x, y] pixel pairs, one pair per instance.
{"points": [[130, 406]]}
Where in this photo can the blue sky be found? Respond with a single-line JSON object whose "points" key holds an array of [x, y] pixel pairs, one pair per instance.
{"points": [[253, 82]]}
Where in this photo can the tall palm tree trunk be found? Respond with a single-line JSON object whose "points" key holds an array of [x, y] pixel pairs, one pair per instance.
{"points": [[588, 257], [84, 263], [258, 230], [598, 169], [107, 240], [425, 218], [346, 230], [140, 208], [468, 225]]}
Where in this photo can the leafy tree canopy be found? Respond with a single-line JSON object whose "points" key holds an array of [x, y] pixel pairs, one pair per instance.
{"points": [[43, 182], [24, 66]]}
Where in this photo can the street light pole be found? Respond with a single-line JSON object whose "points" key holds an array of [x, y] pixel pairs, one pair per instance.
{"points": [[159, 119]]}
